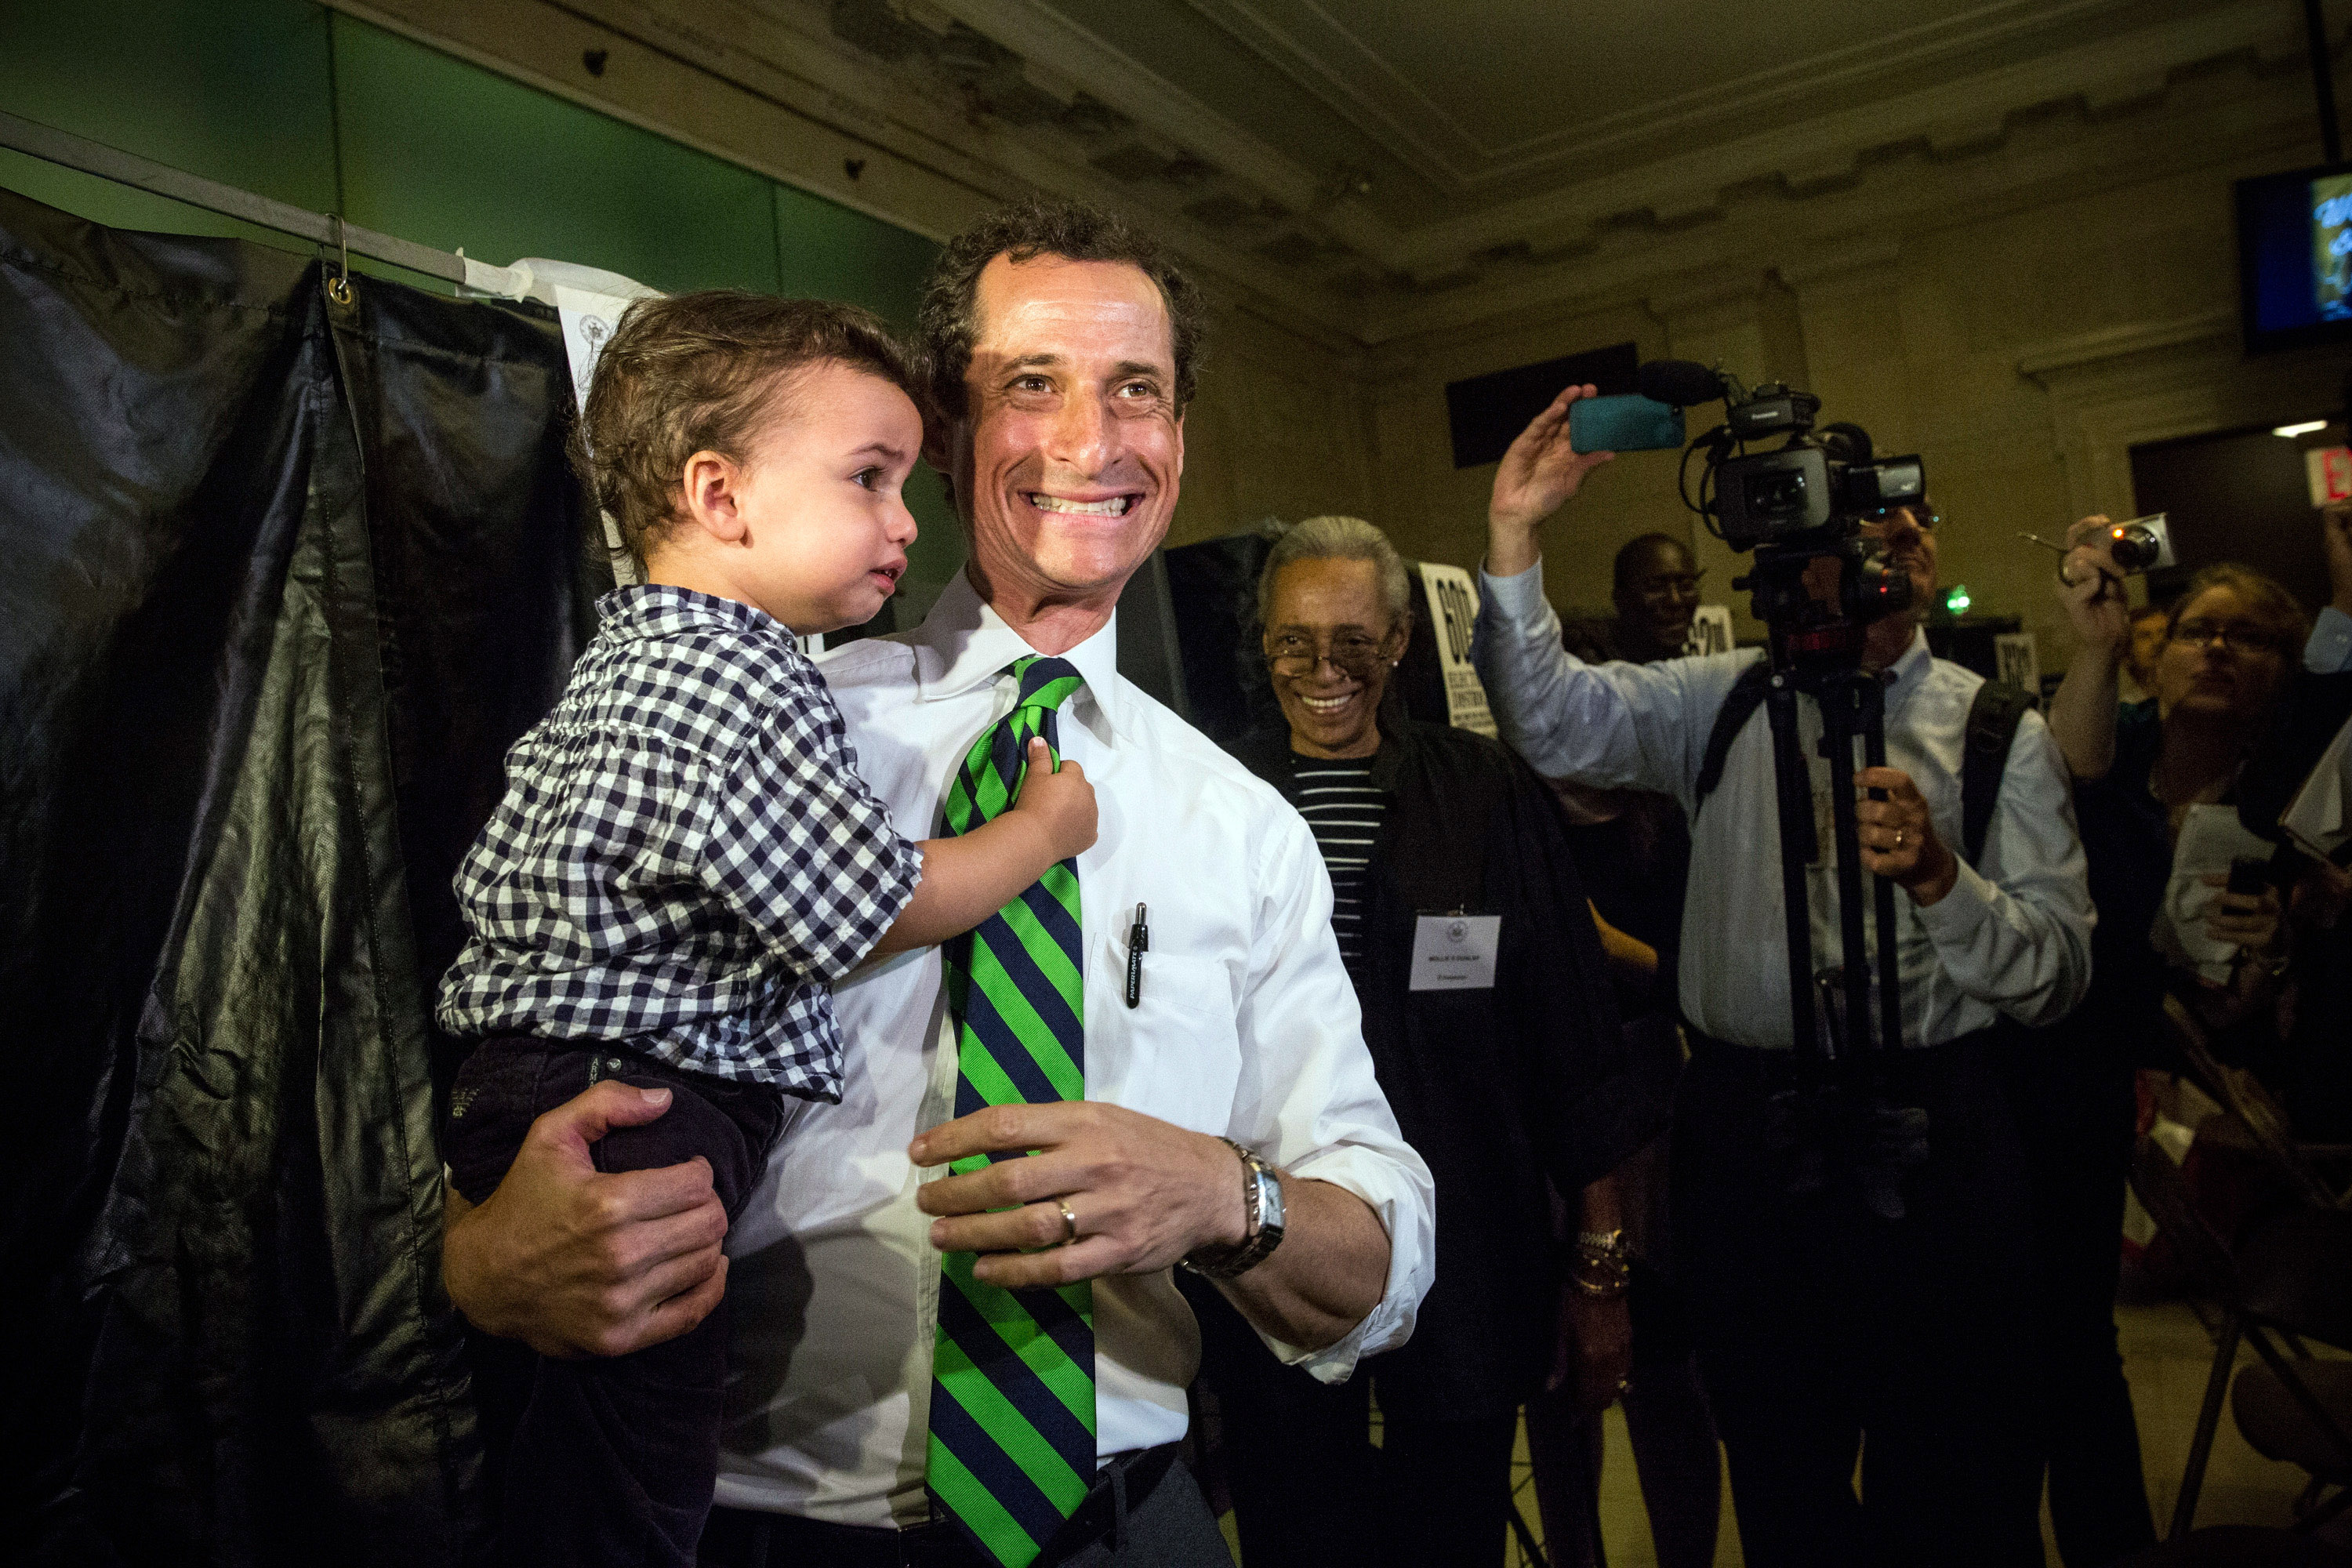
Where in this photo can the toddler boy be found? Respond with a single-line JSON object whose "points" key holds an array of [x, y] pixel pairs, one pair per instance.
{"points": [[685, 858]]}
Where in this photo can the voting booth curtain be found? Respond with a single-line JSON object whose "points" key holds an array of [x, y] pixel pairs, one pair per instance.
{"points": [[286, 562]]}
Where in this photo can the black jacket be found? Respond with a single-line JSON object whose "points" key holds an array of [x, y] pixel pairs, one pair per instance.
{"points": [[1498, 1089]]}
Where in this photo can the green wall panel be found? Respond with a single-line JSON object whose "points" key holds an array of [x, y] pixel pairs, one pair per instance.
{"points": [[829, 252], [287, 99], [439, 151], [235, 90]]}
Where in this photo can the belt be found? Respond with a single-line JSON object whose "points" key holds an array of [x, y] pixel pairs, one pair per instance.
{"points": [[746, 1537], [1777, 1060]]}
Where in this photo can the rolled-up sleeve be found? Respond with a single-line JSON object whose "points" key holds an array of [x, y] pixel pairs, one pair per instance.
{"points": [[2017, 934], [1307, 1100]]}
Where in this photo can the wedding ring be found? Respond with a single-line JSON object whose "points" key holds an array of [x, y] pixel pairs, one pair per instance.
{"points": [[1898, 838], [1069, 1223]]}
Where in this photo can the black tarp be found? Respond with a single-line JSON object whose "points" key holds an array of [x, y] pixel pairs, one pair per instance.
{"points": [[282, 577]]}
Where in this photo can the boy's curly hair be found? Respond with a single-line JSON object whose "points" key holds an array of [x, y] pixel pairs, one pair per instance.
{"points": [[703, 372]]}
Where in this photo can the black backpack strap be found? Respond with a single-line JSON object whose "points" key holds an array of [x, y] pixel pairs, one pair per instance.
{"points": [[1993, 717], [1740, 705]]}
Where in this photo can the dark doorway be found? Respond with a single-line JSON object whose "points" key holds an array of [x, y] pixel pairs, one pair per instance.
{"points": [[2237, 496]]}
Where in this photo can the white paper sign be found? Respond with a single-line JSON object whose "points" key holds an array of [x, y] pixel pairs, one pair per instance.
{"points": [[2211, 838], [2017, 659], [1453, 599], [2320, 817], [1710, 630], [589, 316], [1454, 953]]}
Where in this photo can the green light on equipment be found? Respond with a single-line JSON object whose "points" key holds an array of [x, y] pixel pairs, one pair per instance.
{"points": [[1956, 602]]}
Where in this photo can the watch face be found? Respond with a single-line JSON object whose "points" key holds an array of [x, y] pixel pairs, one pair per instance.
{"points": [[1269, 1201]]}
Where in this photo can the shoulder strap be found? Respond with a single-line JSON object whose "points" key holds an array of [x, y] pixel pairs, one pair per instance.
{"points": [[1740, 705], [1993, 717]]}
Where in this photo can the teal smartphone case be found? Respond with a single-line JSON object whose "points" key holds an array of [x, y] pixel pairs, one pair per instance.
{"points": [[1628, 424]]}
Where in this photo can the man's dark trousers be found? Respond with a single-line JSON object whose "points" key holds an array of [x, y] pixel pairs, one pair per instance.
{"points": [[614, 1460], [1309, 1488], [2077, 1109], [1825, 1332]]}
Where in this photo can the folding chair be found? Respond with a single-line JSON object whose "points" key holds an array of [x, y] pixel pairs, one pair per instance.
{"points": [[2290, 1279], [2314, 1171]]}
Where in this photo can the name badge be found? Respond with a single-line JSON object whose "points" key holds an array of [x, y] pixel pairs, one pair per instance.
{"points": [[1454, 953]]}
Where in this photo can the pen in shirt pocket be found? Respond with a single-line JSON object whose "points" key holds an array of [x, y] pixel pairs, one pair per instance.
{"points": [[1139, 939]]}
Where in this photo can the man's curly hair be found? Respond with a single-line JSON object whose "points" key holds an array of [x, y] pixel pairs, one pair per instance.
{"points": [[947, 324]]}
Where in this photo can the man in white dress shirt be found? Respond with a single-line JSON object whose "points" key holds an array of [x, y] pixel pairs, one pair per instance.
{"points": [[1820, 1323], [1063, 347]]}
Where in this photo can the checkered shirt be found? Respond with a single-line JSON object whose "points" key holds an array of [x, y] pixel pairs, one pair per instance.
{"points": [[685, 858]]}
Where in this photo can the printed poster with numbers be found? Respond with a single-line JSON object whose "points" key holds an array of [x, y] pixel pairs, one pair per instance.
{"points": [[1453, 611], [2018, 661]]}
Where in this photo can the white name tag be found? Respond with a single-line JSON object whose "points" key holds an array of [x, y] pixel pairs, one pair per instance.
{"points": [[1454, 953]]}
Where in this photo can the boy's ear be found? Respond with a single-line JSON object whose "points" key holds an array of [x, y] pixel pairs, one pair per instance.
{"points": [[713, 489]]}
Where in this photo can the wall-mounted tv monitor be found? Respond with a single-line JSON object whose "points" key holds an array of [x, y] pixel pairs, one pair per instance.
{"points": [[2295, 258]]}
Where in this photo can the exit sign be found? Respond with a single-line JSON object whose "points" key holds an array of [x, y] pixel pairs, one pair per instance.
{"points": [[2329, 470]]}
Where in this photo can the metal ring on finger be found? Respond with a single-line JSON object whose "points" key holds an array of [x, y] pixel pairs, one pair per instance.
{"points": [[1898, 838], [1069, 1223]]}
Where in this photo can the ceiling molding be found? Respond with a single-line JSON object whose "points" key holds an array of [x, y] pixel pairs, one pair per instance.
{"points": [[1320, 53], [1035, 31], [708, 73], [1967, 114], [2096, 351], [947, 107], [1835, 261]]}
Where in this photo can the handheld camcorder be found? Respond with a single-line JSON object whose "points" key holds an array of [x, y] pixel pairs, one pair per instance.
{"points": [[1799, 505]]}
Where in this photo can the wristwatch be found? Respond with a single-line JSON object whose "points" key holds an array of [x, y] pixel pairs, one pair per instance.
{"points": [[1262, 1192]]}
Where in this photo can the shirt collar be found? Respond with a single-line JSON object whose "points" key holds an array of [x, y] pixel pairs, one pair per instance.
{"points": [[963, 644], [664, 609], [1910, 670]]}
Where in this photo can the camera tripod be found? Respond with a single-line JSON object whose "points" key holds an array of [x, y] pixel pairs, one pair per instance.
{"points": [[1840, 1118]]}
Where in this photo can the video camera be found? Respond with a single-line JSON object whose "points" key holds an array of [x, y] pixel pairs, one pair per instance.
{"points": [[1799, 505]]}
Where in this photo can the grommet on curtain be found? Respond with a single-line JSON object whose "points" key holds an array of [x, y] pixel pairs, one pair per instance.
{"points": [[338, 286]]}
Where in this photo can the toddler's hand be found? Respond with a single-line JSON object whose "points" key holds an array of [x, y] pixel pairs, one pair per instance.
{"points": [[1063, 800]]}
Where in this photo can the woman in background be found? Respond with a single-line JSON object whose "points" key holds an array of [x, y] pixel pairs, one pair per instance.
{"points": [[2228, 645], [1510, 1077]]}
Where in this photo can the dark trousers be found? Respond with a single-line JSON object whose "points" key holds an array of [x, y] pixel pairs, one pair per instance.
{"points": [[1309, 1488], [612, 1461], [2077, 1111], [1825, 1332]]}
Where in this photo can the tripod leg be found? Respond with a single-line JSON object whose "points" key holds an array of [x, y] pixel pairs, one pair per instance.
{"points": [[1792, 781], [1839, 702], [1890, 968]]}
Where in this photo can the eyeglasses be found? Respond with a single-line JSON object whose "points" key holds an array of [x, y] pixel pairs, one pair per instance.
{"points": [[1352, 653], [2245, 635]]}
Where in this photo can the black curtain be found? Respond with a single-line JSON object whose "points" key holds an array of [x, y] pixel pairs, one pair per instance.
{"points": [[283, 570]]}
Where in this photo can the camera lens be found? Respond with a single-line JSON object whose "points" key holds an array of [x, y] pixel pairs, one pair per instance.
{"points": [[2134, 549], [1776, 493]]}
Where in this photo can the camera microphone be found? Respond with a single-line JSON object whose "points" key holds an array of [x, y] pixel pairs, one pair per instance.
{"points": [[1678, 382]]}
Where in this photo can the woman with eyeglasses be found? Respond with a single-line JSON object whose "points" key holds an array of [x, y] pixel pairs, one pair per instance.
{"points": [[2229, 649], [1506, 1072]]}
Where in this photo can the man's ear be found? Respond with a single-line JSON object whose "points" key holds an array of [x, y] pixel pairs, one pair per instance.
{"points": [[713, 486]]}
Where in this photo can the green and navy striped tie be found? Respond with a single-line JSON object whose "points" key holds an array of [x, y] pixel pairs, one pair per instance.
{"points": [[1013, 1389]]}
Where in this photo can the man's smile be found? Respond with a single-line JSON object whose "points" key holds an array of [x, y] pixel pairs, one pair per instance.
{"points": [[1110, 506]]}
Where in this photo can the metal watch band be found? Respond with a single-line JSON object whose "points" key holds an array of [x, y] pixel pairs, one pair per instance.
{"points": [[1261, 1190]]}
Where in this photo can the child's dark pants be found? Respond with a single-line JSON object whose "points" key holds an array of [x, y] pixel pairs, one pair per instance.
{"points": [[613, 1461]]}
